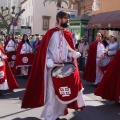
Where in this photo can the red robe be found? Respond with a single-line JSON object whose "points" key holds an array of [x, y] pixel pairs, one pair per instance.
{"points": [[90, 69], [34, 94], [10, 78], [109, 87], [17, 71]]}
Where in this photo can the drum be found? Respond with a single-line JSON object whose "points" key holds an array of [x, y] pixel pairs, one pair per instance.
{"points": [[104, 63], [66, 82], [2, 72]]}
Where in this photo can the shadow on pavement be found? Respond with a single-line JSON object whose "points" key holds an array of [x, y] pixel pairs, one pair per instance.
{"points": [[28, 118], [18, 93], [109, 111]]}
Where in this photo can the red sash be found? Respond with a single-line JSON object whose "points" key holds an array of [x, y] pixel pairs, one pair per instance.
{"points": [[25, 59]]}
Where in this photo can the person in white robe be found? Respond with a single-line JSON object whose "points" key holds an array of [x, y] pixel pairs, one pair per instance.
{"points": [[4, 85], [26, 48], [58, 52], [11, 46]]}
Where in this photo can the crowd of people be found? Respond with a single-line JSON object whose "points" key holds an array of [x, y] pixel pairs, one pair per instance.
{"points": [[10, 48], [58, 48]]}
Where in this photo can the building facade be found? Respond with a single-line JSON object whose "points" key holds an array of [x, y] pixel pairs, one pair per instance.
{"points": [[85, 6], [108, 6], [38, 18]]}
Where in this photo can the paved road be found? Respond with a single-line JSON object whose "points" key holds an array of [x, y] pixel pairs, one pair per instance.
{"points": [[96, 108]]}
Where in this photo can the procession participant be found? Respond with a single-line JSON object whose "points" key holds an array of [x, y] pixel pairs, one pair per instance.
{"points": [[7, 80], [11, 46], [24, 47], [92, 72], [56, 47], [109, 87]]}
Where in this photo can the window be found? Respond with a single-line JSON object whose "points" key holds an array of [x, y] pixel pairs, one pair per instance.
{"points": [[46, 22]]}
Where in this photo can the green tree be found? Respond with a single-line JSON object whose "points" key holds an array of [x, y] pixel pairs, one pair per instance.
{"points": [[2, 26]]}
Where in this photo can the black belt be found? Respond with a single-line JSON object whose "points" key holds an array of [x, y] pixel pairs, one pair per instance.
{"points": [[111, 55]]}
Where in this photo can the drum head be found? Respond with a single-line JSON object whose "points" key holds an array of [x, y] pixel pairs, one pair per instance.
{"points": [[63, 71], [104, 61]]}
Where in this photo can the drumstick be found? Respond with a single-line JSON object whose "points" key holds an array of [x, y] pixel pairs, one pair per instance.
{"points": [[59, 65]]}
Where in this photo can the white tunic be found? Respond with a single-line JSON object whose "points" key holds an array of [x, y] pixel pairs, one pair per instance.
{"points": [[53, 108], [26, 48], [11, 46], [100, 54], [4, 85]]}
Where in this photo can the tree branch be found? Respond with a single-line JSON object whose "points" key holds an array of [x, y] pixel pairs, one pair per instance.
{"points": [[18, 14], [3, 20]]}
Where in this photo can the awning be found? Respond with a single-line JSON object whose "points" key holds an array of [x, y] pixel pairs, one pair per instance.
{"points": [[106, 21]]}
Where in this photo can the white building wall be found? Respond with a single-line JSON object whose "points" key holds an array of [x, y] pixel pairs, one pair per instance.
{"points": [[27, 16], [3, 3], [38, 10], [47, 10]]}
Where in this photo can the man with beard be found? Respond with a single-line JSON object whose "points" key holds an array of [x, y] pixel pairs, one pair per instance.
{"points": [[56, 47]]}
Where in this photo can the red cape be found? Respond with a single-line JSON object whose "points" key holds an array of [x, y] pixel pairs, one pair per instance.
{"points": [[6, 42], [109, 87], [90, 69], [10, 78], [34, 94]]}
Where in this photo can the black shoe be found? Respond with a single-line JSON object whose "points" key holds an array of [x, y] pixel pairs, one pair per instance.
{"points": [[4, 92], [57, 119], [117, 103], [0, 92]]}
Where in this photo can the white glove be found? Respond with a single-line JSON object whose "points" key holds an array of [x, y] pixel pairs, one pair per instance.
{"points": [[76, 55], [49, 63]]}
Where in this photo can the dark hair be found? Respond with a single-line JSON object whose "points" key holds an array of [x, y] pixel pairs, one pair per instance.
{"points": [[102, 35], [26, 40], [12, 36], [62, 14]]}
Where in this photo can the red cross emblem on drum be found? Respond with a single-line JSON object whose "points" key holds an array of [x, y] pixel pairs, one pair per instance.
{"points": [[65, 91], [13, 57], [1, 74], [24, 59]]}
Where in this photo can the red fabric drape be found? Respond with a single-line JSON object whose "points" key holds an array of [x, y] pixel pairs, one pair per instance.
{"points": [[34, 94], [109, 87], [90, 69], [10, 78]]}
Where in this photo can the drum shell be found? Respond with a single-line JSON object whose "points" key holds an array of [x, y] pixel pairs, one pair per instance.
{"points": [[72, 81], [2, 69], [104, 68]]}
